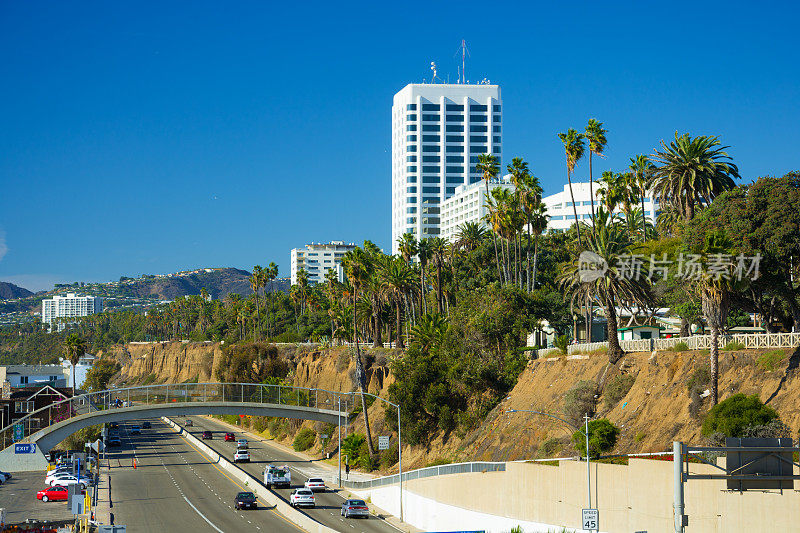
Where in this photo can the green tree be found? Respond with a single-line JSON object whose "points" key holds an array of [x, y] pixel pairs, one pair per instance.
{"points": [[737, 413], [397, 280], [692, 171], [100, 374], [573, 149], [596, 137], [602, 437], [470, 235], [489, 168], [642, 179], [255, 284], [74, 348]]}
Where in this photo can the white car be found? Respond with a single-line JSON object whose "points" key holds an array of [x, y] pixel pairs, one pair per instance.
{"points": [[315, 484], [302, 498], [56, 474], [241, 456], [71, 480], [242, 444]]}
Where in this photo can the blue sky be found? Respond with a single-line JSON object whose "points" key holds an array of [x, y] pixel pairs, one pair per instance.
{"points": [[150, 137]]}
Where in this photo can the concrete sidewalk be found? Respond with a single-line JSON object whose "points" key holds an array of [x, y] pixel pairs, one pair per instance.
{"points": [[102, 507], [324, 470]]}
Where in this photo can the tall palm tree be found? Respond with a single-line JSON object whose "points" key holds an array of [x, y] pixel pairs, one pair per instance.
{"points": [[270, 273], [255, 284], [642, 170], [397, 280], [470, 235], [354, 263], [573, 150], [598, 277], [715, 292], [489, 167], [423, 254], [438, 252], [531, 204], [692, 171], [538, 224], [611, 192], [596, 137], [74, 348], [407, 245]]}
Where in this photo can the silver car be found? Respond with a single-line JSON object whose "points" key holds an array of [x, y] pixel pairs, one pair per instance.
{"points": [[355, 508], [301, 498]]}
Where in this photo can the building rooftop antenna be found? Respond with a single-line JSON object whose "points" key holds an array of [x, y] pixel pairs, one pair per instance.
{"points": [[462, 75]]}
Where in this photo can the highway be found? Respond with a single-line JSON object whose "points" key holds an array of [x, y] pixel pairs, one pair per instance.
{"points": [[176, 488], [328, 503]]}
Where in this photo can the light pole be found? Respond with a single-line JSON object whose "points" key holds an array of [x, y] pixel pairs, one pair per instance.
{"points": [[584, 431]]}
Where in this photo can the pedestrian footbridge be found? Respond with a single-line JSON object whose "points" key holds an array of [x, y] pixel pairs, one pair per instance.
{"points": [[50, 425]]}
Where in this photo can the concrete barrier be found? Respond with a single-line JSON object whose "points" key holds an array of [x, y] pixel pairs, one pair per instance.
{"points": [[255, 485]]}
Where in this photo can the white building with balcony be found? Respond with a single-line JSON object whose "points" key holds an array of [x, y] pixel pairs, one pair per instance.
{"points": [[469, 204], [438, 132], [69, 306], [317, 259]]}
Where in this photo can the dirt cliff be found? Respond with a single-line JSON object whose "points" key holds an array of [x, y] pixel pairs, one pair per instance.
{"points": [[656, 410]]}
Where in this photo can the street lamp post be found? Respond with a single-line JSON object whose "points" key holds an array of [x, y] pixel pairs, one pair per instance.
{"points": [[586, 434]]}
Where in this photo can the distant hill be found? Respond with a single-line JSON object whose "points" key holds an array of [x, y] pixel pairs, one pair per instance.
{"points": [[9, 291], [219, 282]]}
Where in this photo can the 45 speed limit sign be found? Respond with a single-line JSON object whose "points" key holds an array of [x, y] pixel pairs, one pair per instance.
{"points": [[590, 519]]}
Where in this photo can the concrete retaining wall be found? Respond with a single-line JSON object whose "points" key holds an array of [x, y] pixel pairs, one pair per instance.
{"points": [[255, 485], [22, 462]]}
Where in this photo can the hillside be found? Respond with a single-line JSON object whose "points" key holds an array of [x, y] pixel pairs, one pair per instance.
{"points": [[219, 282], [9, 291], [654, 412]]}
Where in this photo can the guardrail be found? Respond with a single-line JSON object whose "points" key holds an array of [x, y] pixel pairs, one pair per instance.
{"points": [[441, 470], [170, 393], [695, 342]]}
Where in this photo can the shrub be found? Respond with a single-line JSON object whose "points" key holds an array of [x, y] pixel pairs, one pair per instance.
{"points": [[773, 429], [304, 440], [680, 347], [351, 447], [602, 437], [616, 389], [733, 346], [439, 461], [561, 343], [549, 448], [388, 457], [639, 436], [737, 413], [580, 400], [770, 361]]}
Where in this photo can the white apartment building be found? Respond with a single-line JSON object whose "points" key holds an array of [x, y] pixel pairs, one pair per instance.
{"points": [[317, 259], [468, 204], [438, 132], [33, 375], [70, 305], [562, 216]]}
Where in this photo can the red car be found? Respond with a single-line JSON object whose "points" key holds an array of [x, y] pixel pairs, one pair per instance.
{"points": [[55, 494], [229, 436]]}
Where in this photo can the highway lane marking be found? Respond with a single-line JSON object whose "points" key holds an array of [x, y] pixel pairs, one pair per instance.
{"points": [[196, 510]]}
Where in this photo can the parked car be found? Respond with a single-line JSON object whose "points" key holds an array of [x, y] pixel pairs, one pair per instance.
{"points": [[67, 479], [188, 423], [55, 494], [246, 500], [136, 430], [241, 456], [302, 498], [355, 508], [207, 435], [146, 425], [242, 444], [315, 484], [229, 437]]}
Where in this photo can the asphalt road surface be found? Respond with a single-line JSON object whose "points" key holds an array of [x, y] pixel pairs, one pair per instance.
{"points": [[328, 504], [18, 498], [174, 487]]}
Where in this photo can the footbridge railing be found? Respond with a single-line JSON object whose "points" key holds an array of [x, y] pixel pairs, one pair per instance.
{"points": [[20, 430]]}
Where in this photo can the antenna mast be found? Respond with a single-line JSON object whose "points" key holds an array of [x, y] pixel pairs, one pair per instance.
{"points": [[463, 60]]}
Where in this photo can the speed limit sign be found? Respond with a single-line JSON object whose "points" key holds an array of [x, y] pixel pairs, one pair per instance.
{"points": [[590, 519]]}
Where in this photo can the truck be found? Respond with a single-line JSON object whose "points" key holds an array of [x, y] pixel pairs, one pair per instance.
{"points": [[277, 476]]}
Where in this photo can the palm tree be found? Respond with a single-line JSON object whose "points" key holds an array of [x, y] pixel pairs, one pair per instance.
{"points": [[598, 277], [490, 168], [691, 172], [532, 207], [255, 284], [596, 136], [642, 170], [470, 235], [407, 245], [715, 291], [270, 273], [611, 191], [74, 348], [424, 254], [573, 149], [354, 263], [429, 331], [538, 224], [397, 280], [438, 251]]}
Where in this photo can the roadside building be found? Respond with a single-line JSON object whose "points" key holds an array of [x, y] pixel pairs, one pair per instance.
{"points": [[469, 204], [317, 259]]}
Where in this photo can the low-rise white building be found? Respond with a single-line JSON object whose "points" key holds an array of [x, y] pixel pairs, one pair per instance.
{"points": [[30, 375], [317, 258], [68, 306], [469, 204], [562, 216]]}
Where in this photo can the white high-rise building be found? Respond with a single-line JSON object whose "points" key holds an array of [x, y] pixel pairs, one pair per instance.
{"points": [[469, 204], [70, 305], [317, 258], [562, 215], [438, 132]]}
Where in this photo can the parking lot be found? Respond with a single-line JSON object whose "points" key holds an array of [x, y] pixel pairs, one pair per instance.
{"points": [[18, 498]]}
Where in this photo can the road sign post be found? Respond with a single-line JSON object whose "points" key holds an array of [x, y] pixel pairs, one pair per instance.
{"points": [[19, 432], [590, 519]]}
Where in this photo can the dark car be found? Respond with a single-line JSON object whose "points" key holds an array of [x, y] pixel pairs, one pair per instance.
{"points": [[114, 440], [188, 423], [207, 435], [146, 425], [246, 500]]}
